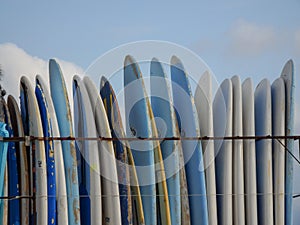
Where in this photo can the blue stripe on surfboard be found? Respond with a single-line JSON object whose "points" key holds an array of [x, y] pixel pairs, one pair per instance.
{"points": [[112, 115], [82, 154], [64, 119], [161, 107], [51, 177], [138, 125], [188, 127]]}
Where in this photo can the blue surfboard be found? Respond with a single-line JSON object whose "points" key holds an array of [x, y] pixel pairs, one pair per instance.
{"points": [[13, 174], [62, 108], [139, 125], [188, 126], [287, 75], [51, 175], [113, 116], [22, 161], [164, 114]]}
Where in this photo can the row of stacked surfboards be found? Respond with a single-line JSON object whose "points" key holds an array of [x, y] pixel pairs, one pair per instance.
{"points": [[90, 168]]}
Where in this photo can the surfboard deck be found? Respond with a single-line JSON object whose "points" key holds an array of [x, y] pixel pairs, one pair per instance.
{"points": [[263, 127], [287, 75], [249, 153], [141, 124], [37, 150], [63, 113], [222, 119], [49, 150], [165, 119], [111, 213], [61, 191], [90, 162], [203, 102], [278, 154], [189, 127], [238, 153], [124, 167]]}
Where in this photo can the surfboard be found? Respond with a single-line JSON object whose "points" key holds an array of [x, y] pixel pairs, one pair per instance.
{"points": [[249, 152], [13, 172], [278, 129], [203, 102], [5, 193], [49, 150], [222, 119], [121, 151], [17, 126], [189, 127], [3, 158], [111, 209], [140, 124], [37, 151], [61, 191], [287, 75], [238, 154], [263, 126], [165, 119], [90, 165], [63, 113]]}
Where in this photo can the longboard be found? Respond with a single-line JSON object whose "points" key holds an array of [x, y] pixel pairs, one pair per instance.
{"points": [[249, 153], [61, 190], [49, 150], [37, 150], [287, 75], [122, 155], [278, 129], [111, 210], [166, 125], [189, 127], [238, 154], [222, 119], [141, 124], [63, 113], [13, 172], [263, 127], [203, 102], [89, 162]]}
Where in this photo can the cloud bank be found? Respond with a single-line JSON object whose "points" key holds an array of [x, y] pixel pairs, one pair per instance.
{"points": [[15, 62]]}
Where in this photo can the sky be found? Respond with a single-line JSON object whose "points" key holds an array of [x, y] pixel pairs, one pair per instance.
{"points": [[245, 38]]}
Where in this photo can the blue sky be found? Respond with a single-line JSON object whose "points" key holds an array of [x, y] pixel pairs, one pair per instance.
{"points": [[247, 38]]}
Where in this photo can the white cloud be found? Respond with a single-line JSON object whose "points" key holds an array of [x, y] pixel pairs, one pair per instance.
{"points": [[251, 39], [15, 62]]}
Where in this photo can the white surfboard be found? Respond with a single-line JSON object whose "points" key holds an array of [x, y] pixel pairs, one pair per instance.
{"points": [[87, 128], [238, 156], [35, 130], [203, 102], [111, 208], [249, 153], [278, 129], [263, 127], [61, 191], [222, 112]]}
